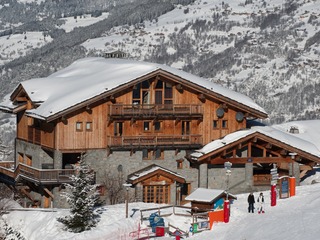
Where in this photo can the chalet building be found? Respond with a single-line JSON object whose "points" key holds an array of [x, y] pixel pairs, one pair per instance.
{"points": [[115, 54], [163, 130]]}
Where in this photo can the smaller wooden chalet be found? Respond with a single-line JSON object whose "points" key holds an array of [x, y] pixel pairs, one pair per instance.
{"points": [[209, 199], [155, 184], [256, 150]]}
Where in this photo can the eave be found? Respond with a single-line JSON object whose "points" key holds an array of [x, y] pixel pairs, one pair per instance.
{"points": [[216, 96], [214, 156], [157, 171]]}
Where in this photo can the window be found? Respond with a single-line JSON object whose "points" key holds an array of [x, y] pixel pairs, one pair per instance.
{"points": [[146, 126], [224, 123], [215, 124], [89, 126], [158, 91], [150, 154], [185, 128], [158, 97], [79, 127], [118, 126], [168, 91], [156, 193], [146, 97], [136, 94], [158, 154], [146, 155], [159, 84], [157, 126]]}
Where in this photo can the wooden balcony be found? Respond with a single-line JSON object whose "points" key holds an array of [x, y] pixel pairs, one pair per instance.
{"points": [[42, 176], [162, 111], [167, 141]]}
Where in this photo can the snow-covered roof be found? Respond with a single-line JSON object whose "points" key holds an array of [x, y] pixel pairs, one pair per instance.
{"points": [[151, 169], [207, 195], [304, 142], [90, 77]]}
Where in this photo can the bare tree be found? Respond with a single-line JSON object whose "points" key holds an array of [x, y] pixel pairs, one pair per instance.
{"points": [[114, 186]]}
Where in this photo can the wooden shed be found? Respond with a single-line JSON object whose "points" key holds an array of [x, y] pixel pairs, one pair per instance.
{"points": [[206, 199]]}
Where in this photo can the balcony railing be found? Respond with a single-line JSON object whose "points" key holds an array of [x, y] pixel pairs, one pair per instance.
{"points": [[44, 176], [155, 110], [153, 140]]}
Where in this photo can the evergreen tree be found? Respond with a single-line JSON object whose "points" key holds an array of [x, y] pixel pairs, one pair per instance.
{"points": [[82, 197]]}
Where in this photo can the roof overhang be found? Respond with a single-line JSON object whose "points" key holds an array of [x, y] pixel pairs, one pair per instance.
{"points": [[154, 170], [284, 151]]}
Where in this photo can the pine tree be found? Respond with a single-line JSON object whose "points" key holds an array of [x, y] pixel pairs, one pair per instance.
{"points": [[82, 197]]}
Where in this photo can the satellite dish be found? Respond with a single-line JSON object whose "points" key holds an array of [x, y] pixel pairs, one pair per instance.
{"points": [[239, 116], [220, 112]]}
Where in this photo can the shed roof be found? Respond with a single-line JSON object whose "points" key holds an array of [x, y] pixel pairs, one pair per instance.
{"points": [[208, 195]]}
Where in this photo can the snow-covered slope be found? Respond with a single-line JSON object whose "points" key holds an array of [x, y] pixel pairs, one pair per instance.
{"points": [[293, 218]]}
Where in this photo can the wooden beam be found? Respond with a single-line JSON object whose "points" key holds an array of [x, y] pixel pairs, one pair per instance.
{"points": [[64, 120], [27, 194], [132, 151], [268, 146], [49, 193], [202, 97], [249, 149], [303, 173], [21, 99], [20, 108], [224, 106], [283, 152], [253, 160], [179, 88], [112, 99], [305, 167], [109, 120], [132, 121], [176, 152]]}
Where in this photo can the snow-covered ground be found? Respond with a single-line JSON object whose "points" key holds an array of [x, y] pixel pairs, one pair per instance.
{"points": [[18, 45], [292, 218], [81, 21]]}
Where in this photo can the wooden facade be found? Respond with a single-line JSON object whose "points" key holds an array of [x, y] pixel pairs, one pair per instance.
{"points": [[160, 111]]}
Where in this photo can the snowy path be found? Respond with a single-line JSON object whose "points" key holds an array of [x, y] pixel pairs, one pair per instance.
{"points": [[293, 218]]}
